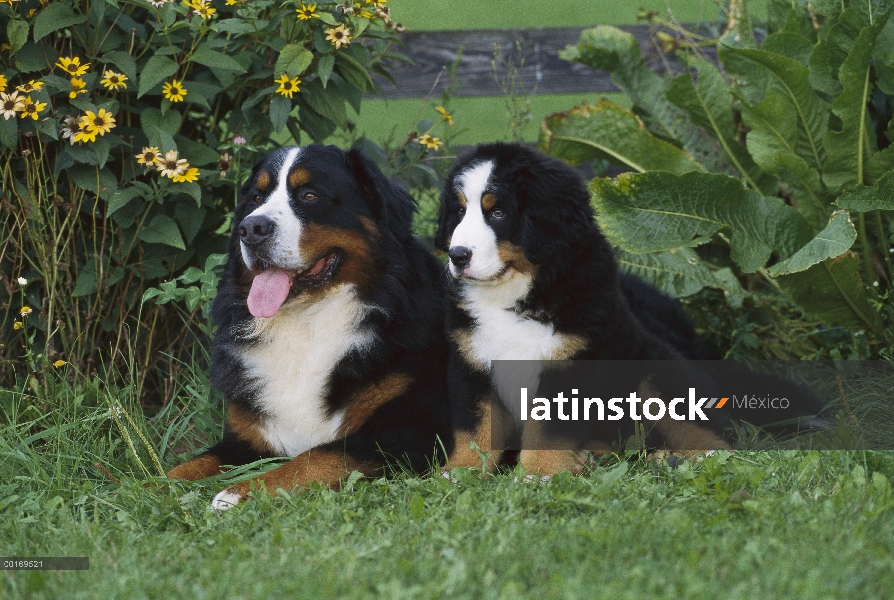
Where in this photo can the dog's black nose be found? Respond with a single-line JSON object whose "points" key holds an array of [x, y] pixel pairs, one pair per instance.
{"points": [[255, 230], [460, 256]]}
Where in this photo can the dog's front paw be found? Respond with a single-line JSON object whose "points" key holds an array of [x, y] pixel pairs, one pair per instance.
{"points": [[228, 498]]}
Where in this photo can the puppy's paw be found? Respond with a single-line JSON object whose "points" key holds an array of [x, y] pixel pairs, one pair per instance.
{"points": [[228, 498]]}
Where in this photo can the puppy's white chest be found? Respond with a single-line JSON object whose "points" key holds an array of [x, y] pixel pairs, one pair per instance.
{"points": [[292, 361]]}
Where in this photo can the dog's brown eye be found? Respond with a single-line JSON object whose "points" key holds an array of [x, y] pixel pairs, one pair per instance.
{"points": [[256, 198], [462, 211], [497, 214], [309, 196]]}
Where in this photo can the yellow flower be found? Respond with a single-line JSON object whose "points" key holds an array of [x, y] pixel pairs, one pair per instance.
{"points": [[445, 116], [17, 325], [148, 156], [206, 11], [31, 13], [170, 165], [78, 86], [85, 136], [102, 122], [432, 143], [307, 11], [30, 108], [25, 311], [3, 82], [113, 80], [362, 12], [10, 104], [190, 174], [287, 86], [339, 36], [59, 363], [31, 86], [174, 91], [72, 66], [231, 2]]}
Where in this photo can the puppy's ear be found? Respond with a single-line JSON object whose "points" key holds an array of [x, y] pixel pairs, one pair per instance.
{"points": [[556, 209], [445, 229], [392, 206]]}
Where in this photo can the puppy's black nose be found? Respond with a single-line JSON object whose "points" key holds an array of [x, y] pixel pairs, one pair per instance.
{"points": [[460, 256], [255, 230]]}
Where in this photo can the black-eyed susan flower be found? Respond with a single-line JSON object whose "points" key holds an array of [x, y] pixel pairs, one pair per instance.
{"points": [[445, 116], [3, 83], [17, 325], [31, 86], [71, 127], [148, 157], [32, 109], [10, 104], [339, 36], [78, 86], [224, 162], [189, 175], [72, 66], [169, 165], [287, 86], [174, 91], [100, 122], [85, 136], [59, 363], [432, 143], [307, 12], [113, 80], [25, 311], [206, 11]]}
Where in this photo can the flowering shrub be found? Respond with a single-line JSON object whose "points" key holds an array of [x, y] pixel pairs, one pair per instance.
{"points": [[125, 128]]}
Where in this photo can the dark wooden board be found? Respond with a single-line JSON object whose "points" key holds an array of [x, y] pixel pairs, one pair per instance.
{"points": [[542, 72]]}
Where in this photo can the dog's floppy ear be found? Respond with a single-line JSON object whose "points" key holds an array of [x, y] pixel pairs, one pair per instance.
{"points": [[556, 209], [393, 206], [444, 228]]}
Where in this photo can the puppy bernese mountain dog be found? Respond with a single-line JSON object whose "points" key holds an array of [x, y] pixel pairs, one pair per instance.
{"points": [[534, 279], [330, 345]]}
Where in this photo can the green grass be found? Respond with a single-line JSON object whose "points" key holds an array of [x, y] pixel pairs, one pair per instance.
{"points": [[768, 524]]}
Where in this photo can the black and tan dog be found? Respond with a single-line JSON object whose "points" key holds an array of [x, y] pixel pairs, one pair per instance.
{"points": [[330, 345], [534, 279]]}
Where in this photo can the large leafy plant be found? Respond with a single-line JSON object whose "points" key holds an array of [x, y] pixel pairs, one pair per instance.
{"points": [[126, 127], [773, 169]]}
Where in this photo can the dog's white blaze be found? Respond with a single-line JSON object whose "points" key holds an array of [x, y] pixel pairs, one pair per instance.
{"points": [[473, 232], [287, 235], [225, 500], [296, 351]]}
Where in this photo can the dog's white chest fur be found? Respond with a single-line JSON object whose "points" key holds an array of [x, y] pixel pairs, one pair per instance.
{"points": [[292, 360]]}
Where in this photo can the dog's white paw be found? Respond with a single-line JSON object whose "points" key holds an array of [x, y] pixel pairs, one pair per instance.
{"points": [[225, 500]]}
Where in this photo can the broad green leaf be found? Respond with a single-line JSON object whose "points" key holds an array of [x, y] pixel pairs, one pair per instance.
{"points": [[161, 139], [120, 198], [616, 51], [707, 98], [788, 79], [35, 56], [189, 187], [293, 60], [190, 217], [55, 16], [162, 230], [327, 102], [196, 153], [849, 148], [609, 131], [17, 31], [324, 68], [168, 121], [156, 70], [279, 112], [833, 292], [834, 240], [216, 60], [657, 211], [878, 196], [98, 181], [680, 273], [9, 133]]}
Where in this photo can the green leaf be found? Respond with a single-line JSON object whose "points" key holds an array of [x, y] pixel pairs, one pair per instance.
{"points": [[168, 121], [120, 198], [17, 30], [54, 17], [98, 181], [189, 187], [9, 133], [123, 61], [327, 102], [162, 230], [609, 131], [160, 138], [156, 70], [293, 60], [879, 196], [655, 211], [327, 18], [836, 239], [680, 273], [324, 68], [190, 216], [833, 292], [216, 60], [35, 57], [849, 149], [280, 106], [196, 153]]}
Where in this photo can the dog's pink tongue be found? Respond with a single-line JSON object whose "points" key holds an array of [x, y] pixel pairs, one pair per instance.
{"points": [[269, 290]]}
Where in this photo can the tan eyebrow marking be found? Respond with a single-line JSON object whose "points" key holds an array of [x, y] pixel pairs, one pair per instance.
{"points": [[299, 177], [263, 181], [487, 202], [462, 199]]}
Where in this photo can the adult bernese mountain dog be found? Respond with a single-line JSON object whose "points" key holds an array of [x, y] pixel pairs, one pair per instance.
{"points": [[330, 345], [534, 279]]}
